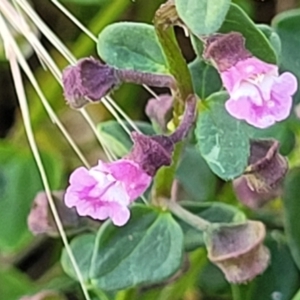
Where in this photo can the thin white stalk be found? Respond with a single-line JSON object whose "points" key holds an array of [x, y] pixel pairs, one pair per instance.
{"points": [[8, 42], [53, 67], [36, 86], [75, 20], [146, 87], [48, 33], [18, 21], [116, 116], [51, 112], [107, 152], [122, 113], [94, 38]]}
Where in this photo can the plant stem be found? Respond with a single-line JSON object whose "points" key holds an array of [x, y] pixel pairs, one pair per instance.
{"points": [[236, 293], [188, 217], [176, 64]]}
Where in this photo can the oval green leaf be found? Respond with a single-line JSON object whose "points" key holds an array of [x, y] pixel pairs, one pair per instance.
{"points": [[134, 46], [206, 79], [273, 38], [287, 26], [202, 17], [199, 183], [281, 279], [146, 250], [19, 183], [292, 212], [222, 140]]}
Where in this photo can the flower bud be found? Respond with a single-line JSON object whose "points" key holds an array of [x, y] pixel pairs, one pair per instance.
{"points": [[160, 110], [263, 177], [88, 81], [40, 219], [238, 250]]}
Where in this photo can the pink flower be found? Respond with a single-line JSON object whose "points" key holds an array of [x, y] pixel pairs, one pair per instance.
{"points": [[258, 94], [106, 190]]}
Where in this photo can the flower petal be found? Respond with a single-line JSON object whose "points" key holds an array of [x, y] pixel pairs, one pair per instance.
{"points": [[106, 190], [244, 70], [119, 214], [285, 84], [135, 180], [239, 108]]}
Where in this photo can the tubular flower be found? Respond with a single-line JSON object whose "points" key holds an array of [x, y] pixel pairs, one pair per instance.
{"points": [[258, 94], [106, 190]]}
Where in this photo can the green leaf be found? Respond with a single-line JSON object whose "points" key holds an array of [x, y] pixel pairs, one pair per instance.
{"points": [[14, 284], [176, 289], [222, 140], [202, 17], [146, 250], [214, 212], [128, 45], [212, 280], [19, 183], [273, 38], [281, 279], [117, 139], [198, 46], [297, 296], [256, 42], [86, 2], [22, 41], [200, 183], [292, 212], [82, 248], [286, 25], [206, 79]]}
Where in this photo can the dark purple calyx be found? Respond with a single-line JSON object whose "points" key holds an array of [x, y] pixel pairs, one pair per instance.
{"points": [[266, 164], [263, 178], [88, 81], [153, 152], [225, 50]]}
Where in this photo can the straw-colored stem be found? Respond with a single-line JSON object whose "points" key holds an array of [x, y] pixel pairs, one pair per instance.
{"points": [[16, 74]]}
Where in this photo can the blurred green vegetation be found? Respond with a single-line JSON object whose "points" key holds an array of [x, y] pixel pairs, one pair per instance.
{"points": [[24, 269]]}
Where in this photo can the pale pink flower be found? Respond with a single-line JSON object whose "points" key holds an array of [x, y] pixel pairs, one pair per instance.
{"points": [[258, 94], [106, 190]]}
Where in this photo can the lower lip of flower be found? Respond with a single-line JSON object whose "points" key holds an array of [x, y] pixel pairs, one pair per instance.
{"points": [[270, 103]]}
